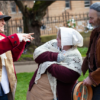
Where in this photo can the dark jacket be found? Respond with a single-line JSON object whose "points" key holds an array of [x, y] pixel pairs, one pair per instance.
{"points": [[94, 51]]}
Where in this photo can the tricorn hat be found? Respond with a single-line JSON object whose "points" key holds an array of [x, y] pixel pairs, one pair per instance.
{"points": [[5, 17]]}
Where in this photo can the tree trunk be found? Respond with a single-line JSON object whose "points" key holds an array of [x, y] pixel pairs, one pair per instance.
{"points": [[32, 27], [36, 30]]}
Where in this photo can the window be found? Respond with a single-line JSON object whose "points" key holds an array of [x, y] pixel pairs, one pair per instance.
{"points": [[67, 3], [87, 3], [19, 29], [13, 7]]}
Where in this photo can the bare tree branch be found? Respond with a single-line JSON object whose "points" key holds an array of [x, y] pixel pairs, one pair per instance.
{"points": [[42, 5], [40, 8]]}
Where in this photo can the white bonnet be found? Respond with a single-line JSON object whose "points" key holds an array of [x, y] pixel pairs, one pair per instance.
{"points": [[70, 36]]}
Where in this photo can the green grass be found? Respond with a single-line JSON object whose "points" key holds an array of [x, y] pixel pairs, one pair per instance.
{"points": [[81, 78], [83, 51], [29, 56], [22, 85], [26, 57]]}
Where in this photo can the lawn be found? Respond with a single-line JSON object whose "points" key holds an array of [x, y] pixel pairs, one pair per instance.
{"points": [[83, 51], [22, 85]]}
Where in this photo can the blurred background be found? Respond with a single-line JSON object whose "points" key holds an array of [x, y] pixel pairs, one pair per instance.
{"points": [[47, 16]]}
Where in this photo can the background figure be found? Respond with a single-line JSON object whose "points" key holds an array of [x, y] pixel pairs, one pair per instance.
{"points": [[92, 60], [11, 48], [59, 66]]}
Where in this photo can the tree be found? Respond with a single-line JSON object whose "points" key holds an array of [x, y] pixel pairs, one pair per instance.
{"points": [[32, 17]]}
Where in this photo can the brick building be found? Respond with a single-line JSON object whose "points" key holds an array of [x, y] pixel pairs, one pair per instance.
{"points": [[77, 10], [15, 24], [55, 9], [71, 6]]}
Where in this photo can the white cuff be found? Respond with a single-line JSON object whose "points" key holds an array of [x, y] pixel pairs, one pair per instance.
{"points": [[20, 37], [27, 40]]}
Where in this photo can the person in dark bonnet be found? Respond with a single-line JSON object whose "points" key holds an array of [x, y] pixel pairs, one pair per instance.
{"points": [[92, 60]]}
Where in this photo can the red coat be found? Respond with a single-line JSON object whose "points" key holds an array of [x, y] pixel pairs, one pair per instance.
{"points": [[12, 43]]}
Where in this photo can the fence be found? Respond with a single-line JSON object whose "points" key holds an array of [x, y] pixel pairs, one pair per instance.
{"points": [[51, 24], [14, 26]]}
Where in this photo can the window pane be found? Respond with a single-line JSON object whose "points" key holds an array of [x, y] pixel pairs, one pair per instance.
{"points": [[67, 4], [13, 7], [86, 3]]}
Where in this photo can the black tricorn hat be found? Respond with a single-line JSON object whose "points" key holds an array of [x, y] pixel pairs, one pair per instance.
{"points": [[5, 17]]}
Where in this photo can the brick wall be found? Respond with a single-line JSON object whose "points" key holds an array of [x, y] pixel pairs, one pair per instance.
{"points": [[18, 14], [58, 7], [55, 9]]}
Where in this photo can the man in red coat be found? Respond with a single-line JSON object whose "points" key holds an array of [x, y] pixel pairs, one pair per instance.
{"points": [[11, 48]]}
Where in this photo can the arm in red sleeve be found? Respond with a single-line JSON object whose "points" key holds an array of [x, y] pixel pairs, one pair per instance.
{"points": [[8, 43], [46, 56], [17, 51], [62, 73]]}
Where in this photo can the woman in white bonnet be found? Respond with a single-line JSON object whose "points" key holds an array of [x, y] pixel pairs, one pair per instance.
{"points": [[59, 66]]}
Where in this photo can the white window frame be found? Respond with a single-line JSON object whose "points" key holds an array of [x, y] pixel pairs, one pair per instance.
{"points": [[86, 1], [67, 2], [12, 5]]}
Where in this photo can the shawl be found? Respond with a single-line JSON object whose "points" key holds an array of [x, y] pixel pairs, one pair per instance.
{"points": [[73, 61], [90, 55]]}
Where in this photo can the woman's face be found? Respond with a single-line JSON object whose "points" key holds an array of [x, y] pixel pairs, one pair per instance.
{"points": [[59, 39]]}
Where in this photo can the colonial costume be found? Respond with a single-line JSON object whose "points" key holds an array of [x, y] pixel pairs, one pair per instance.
{"points": [[55, 79], [11, 48], [8, 79]]}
